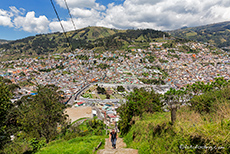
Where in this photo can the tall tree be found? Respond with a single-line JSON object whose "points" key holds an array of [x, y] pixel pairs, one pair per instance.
{"points": [[41, 114], [5, 106], [138, 102], [173, 99]]}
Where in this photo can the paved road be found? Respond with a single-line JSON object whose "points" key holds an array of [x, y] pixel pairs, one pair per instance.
{"points": [[157, 88], [77, 95]]}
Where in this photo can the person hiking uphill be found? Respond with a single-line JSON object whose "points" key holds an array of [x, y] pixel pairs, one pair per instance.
{"points": [[113, 138]]}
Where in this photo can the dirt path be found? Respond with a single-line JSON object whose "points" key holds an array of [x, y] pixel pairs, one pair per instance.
{"points": [[119, 150]]}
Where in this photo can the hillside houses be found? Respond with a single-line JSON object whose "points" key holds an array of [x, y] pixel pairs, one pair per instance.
{"points": [[70, 71]]}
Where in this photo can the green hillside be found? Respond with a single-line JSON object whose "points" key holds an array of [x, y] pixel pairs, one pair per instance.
{"points": [[191, 129], [201, 126], [217, 34], [54, 42], [98, 38], [78, 145]]}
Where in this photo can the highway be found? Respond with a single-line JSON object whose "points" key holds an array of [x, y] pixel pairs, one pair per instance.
{"points": [[77, 95]]}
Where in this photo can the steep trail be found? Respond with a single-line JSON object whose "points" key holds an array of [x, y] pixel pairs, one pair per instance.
{"points": [[119, 150]]}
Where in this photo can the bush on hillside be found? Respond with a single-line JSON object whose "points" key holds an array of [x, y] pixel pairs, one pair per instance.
{"points": [[120, 89], [95, 126], [139, 102], [209, 101]]}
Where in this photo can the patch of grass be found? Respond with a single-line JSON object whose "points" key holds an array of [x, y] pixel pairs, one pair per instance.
{"points": [[191, 34], [79, 120], [78, 145], [118, 96], [102, 96]]}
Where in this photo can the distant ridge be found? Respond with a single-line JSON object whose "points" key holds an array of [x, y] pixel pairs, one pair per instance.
{"points": [[97, 38], [217, 34], [3, 41]]}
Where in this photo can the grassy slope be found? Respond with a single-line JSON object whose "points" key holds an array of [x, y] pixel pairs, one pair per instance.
{"points": [[190, 129], [93, 33], [97, 38], [78, 145], [217, 34], [55, 42]]}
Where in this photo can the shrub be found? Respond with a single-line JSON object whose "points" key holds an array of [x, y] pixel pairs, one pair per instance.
{"points": [[139, 102], [209, 101]]}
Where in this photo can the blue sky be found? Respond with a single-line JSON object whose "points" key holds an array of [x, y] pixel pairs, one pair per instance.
{"points": [[19, 19]]}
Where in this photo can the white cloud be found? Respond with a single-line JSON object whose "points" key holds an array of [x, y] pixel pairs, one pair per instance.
{"points": [[55, 26], [165, 14], [30, 23], [155, 14], [5, 18], [88, 19], [82, 13], [80, 4], [17, 12], [5, 21], [85, 13]]}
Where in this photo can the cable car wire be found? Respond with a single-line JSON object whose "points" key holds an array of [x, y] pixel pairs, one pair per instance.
{"points": [[55, 10], [70, 15]]}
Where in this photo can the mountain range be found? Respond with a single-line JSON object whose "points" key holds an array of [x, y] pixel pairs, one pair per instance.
{"points": [[96, 38], [217, 34], [102, 39]]}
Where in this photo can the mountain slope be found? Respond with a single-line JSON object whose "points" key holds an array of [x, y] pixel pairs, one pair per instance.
{"points": [[92, 33], [88, 38], [54, 42], [3, 41], [218, 34]]}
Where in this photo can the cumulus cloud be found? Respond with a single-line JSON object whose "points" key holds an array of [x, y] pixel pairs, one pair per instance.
{"points": [[5, 18], [86, 19], [55, 26], [155, 14], [165, 14], [80, 4], [85, 13], [5, 21], [82, 13], [16, 11], [30, 23]]}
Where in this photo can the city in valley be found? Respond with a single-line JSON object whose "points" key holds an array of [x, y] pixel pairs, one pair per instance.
{"points": [[81, 74], [114, 76]]}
